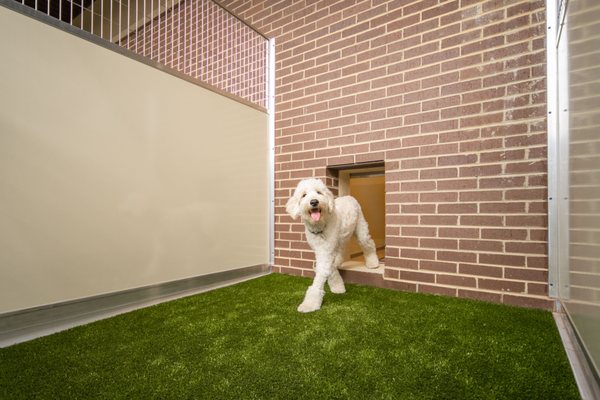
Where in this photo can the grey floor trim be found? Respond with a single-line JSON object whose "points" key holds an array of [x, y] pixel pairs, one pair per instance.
{"points": [[21, 326], [584, 376]]}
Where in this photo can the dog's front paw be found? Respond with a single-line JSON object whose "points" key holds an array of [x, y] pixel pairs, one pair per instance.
{"points": [[312, 300], [307, 307]]}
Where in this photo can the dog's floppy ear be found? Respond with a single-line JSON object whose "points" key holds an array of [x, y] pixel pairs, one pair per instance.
{"points": [[292, 206]]}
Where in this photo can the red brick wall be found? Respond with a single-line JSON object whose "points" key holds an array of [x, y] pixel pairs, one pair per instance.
{"points": [[451, 95]]}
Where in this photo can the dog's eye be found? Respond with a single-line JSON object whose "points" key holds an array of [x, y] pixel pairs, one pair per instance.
{"points": [[304, 195], [320, 193]]}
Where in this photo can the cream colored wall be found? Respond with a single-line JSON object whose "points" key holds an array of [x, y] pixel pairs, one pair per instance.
{"points": [[582, 299], [114, 175], [370, 193]]}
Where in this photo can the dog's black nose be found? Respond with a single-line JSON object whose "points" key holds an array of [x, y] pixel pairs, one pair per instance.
{"points": [[314, 203]]}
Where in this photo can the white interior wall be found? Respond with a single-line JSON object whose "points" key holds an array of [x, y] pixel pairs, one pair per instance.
{"points": [[115, 175]]}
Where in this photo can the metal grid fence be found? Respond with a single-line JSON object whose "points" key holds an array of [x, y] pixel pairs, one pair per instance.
{"points": [[198, 38]]}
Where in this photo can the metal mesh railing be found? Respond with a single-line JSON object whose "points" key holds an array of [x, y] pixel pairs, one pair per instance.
{"points": [[198, 38]]}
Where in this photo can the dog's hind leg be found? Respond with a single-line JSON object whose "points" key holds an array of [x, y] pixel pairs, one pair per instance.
{"points": [[365, 241], [336, 283]]}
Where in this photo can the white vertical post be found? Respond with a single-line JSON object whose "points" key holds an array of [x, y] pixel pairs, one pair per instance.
{"points": [[562, 115], [135, 25], [178, 36], [91, 15], [558, 153], [158, 42], [172, 32], [145, 26], [270, 90], [197, 41], [185, 35], [120, 29], [165, 33], [227, 62], [128, 20], [110, 22], [552, 101], [200, 51], [152, 29], [158, 35]]}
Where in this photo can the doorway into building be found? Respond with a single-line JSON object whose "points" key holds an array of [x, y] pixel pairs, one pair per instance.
{"points": [[367, 185]]}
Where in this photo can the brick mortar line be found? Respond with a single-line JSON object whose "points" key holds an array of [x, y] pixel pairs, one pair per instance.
{"points": [[468, 152], [457, 225], [444, 179], [494, 150], [431, 272], [380, 141], [457, 263], [475, 252], [479, 227], [415, 136], [478, 189], [472, 288], [449, 154], [506, 97], [502, 123], [514, 175]]}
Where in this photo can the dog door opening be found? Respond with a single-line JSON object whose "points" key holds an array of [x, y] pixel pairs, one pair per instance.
{"points": [[368, 187]]}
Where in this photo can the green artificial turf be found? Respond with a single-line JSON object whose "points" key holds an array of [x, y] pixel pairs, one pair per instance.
{"points": [[248, 342]]}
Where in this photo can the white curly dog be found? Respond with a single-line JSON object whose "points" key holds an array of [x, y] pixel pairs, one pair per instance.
{"points": [[329, 225]]}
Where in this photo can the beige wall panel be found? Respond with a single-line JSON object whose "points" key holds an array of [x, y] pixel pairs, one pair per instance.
{"points": [[114, 175], [583, 41]]}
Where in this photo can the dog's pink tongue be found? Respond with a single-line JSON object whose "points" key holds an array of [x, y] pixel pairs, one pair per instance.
{"points": [[315, 215]]}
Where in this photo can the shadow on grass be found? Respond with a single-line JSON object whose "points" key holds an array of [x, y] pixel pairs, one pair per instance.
{"points": [[248, 342]]}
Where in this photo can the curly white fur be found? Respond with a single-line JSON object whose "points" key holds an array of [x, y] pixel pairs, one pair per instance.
{"points": [[329, 225]]}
